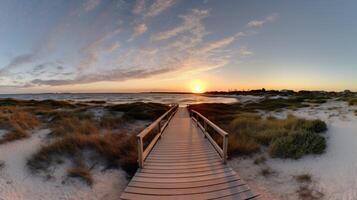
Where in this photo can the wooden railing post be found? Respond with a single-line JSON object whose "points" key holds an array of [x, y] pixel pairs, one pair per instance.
{"points": [[225, 149], [140, 152], [205, 127], [143, 153]]}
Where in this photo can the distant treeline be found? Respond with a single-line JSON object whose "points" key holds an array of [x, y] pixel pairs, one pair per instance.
{"points": [[264, 92]]}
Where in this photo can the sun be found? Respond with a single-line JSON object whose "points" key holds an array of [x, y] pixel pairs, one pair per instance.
{"points": [[197, 86]]}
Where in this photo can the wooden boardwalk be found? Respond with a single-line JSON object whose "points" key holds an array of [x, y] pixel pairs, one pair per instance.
{"points": [[184, 165]]}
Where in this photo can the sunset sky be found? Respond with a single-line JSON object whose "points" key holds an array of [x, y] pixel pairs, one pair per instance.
{"points": [[177, 45]]}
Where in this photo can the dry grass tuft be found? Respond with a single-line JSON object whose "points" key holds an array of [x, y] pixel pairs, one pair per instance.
{"points": [[82, 173], [18, 122], [2, 164], [307, 193], [69, 123], [267, 171], [303, 178], [116, 149], [260, 160]]}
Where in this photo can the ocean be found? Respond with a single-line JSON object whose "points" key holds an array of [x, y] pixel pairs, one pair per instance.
{"points": [[121, 98]]}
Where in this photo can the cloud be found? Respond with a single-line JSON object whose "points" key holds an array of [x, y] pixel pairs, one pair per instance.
{"points": [[260, 23], [191, 22], [216, 44], [19, 60], [92, 50], [140, 29], [112, 47], [139, 6], [90, 4], [244, 51], [158, 6]]}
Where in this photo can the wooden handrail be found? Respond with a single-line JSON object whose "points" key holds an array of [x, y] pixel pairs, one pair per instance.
{"points": [[143, 153], [222, 151]]}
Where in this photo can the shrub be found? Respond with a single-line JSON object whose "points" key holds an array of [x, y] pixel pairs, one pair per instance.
{"points": [[13, 135], [67, 123], [242, 144], [115, 149], [297, 144], [260, 160], [316, 126], [303, 178], [81, 172], [307, 193], [111, 121], [141, 111], [267, 172]]}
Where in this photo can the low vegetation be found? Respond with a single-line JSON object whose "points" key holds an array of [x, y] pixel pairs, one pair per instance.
{"points": [[81, 172], [17, 122], [267, 171], [303, 178], [2, 164], [351, 100], [308, 193], [249, 131], [77, 136]]}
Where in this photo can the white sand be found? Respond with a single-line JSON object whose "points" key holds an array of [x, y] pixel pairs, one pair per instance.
{"points": [[334, 172], [17, 183]]}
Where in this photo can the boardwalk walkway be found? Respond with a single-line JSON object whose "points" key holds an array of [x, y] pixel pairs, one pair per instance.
{"points": [[184, 165]]}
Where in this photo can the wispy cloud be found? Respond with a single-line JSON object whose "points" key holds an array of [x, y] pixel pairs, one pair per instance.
{"points": [[92, 49], [191, 22], [260, 23], [90, 4], [140, 29], [139, 6], [18, 60], [112, 47], [159, 6], [244, 51]]}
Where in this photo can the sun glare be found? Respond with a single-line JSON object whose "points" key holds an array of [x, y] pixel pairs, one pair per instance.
{"points": [[197, 86]]}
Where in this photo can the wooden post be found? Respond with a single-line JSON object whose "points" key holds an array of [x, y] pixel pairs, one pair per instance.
{"points": [[140, 152], [159, 126], [225, 149], [205, 127]]}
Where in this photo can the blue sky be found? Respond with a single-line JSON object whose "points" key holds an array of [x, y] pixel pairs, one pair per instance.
{"points": [[164, 45]]}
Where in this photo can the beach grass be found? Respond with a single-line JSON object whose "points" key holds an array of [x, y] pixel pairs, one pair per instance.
{"points": [[77, 132], [249, 131], [17, 122], [81, 172]]}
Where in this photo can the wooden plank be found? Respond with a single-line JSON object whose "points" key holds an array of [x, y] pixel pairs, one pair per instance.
{"points": [[181, 191], [207, 195], [185, 165], [183, 180], [182, 167], [182, 171], [183, 175], [174, 164], [184, 185]]}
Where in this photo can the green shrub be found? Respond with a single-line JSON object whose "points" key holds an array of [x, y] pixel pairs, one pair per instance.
{"points": [[297, 144], [316, 126]]}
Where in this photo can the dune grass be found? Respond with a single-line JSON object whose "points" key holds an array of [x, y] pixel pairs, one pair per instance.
{"points": [[285, 138], [68, 123], [81, 172], [303, 178], [140, 111], [17, 122], [78, 131], [351, 100]]}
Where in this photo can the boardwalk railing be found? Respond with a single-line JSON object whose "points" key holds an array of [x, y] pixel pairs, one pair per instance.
{"points": [[204, 125], [158, 127]]}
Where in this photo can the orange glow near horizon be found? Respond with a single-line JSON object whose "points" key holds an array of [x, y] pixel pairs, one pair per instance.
{"points": [[197, 86]]}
